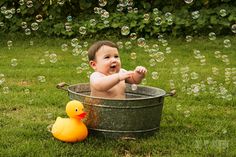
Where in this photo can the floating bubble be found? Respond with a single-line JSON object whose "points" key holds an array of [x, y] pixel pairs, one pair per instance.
{"points": [[24, 25], [1, 24], [119, 8], [225, 59], [26, 91], [233, 28], [8, 14], [2, 78], [21, 2], [39, 18], [102, 3], [155, 75], [53, 58], [223, 12], [195, 14], [74, 42], [82, 30], [187, 113], [194, 75], [146, 17], [42, 61], [133, 55], [203, 60], [157, 21], [175, 70], [85, 44], [14, 62], [168, 16], [31, 43], [9, 44], [189, 38], [212, 36], [185, 77], [217, 54], [168, 50], [178, 107], [60, 2], [152, 62], [46, 53], [128, 45], [125, 30], [159, 56], [41, 79], [69, 18], [141, 42], [134, 87], [27, 31], [64, 47], [29, 4], [227, 43], [215, 70], [164, 42], [79, 70], [119, 44], [155, 11], [144, 81], [176, 61], [172, 84], [133, 36], [34, 26], [93, 22], [18, 10], [5, 90], [188, 1], [68, 26]]}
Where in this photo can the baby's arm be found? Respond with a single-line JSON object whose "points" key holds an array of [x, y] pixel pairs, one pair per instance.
{"points": [[102, 82], [137, 76]]}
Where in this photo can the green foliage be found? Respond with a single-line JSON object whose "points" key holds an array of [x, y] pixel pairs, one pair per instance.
{"points": [[55, 17]]}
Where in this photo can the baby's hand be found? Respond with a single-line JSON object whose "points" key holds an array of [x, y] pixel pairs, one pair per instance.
{"points": [[125, 75], [140, 70]]}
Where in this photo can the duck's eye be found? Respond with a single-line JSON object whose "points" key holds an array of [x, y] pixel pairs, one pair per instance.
{"points": [[76, 110]]}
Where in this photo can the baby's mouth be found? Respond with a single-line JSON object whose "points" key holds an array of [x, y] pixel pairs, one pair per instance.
{"points": [[113, 68]]}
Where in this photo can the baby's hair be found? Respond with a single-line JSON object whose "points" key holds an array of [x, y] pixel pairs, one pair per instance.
{"points": [[96, 46]]}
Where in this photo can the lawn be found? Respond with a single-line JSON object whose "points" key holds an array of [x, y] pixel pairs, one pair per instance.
{"points": [[198, 121]]}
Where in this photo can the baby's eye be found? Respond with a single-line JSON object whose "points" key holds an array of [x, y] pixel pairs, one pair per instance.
{"points": [[107, 57], [76, 110], [117, 56]]}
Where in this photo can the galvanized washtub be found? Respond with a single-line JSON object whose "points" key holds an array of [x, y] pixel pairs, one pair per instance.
{"points": [[138, 115]]}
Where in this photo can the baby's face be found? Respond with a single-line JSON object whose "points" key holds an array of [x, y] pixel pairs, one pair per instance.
{"points": [[107, 60]]}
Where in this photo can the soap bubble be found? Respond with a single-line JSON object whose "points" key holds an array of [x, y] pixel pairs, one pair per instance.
{"points": [[158, 21], [176, 61], [128, 45], [144, 81], [189, 38], [155, 75], [146, 17], [69, 18], [194, 75], [168, 50], [217, 54], [195, 14], [2, 78], [34, 26], [187, 113], [225, 59], [172, 84], [188, 1], [212, 36], [102, 3], [152, 62], [74, 42], [155, 11], [14, 62], [8, 14], [18, 10], [79, 70], [93, 22], [27, 31], [41, 79], [29, 4], [134, 87], [9, 44], [119, 7], [42, 61], [133, 36], [5, 90], [39, 18], [233, 28], [227, 43], [53, 58], [82, 30], [125, 30], [60, 2], [21, 2], [223, 12], [68, 27], [215, 70], [141, 42], [159, 56], [64, 47], [24, 25], [85, 44], [26, 91], [31, 43], [164, 42], [1, 24], [119, 44]]}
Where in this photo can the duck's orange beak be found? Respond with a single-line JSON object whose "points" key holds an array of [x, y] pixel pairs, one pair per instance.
{"points": [[82, 115]]}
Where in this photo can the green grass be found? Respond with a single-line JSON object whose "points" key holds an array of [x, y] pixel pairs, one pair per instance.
{"points": [[201, 125]]}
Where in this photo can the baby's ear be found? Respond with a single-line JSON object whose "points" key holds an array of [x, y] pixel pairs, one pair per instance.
{"points": [[92, 64]]}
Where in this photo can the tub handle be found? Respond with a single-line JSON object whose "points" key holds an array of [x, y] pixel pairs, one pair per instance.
{"points": [[171, 93], [62, 86]]}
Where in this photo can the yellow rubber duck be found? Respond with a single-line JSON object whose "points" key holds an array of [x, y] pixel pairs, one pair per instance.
{"points": [[71, 129]]}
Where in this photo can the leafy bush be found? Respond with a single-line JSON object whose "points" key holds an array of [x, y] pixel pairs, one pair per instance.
{"points": [[70, 18]]}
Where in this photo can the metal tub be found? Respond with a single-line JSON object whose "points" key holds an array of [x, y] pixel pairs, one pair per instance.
{"points": [[138, 115]]}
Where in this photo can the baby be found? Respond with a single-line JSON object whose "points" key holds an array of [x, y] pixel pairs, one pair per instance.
{"points": [[108, 79]]}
